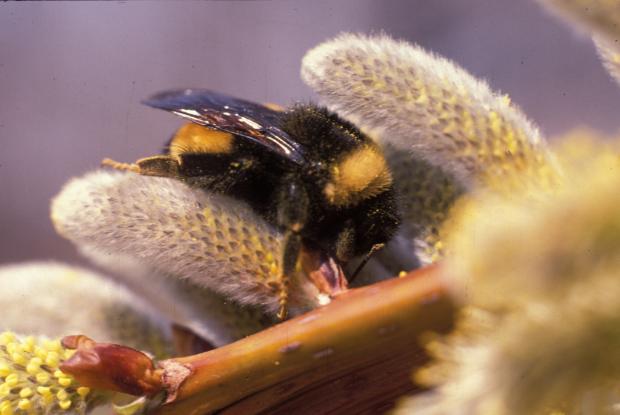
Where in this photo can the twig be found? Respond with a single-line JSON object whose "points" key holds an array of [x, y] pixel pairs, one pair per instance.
{"points": [[354, 355]]}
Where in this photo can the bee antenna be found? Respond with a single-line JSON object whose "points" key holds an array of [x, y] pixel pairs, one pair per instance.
{"points": [[375, 248], [120, 166]]}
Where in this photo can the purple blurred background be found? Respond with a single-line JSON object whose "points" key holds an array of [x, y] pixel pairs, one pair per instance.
{"points": [[72, 76]]}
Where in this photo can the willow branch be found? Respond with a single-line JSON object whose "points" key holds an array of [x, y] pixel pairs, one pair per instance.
{"points": [[369, 335]]}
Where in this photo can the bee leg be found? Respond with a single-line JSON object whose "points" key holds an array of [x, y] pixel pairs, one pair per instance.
{"points": [[292, 212], [292, 247], [163, 166]]}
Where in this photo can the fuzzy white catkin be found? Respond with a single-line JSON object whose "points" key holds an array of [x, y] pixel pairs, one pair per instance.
{"points": [[610, 56], [444, 132], [206, 313], [540, 279], [55, 300], [213, 241], [600, 19], [427, 105]]}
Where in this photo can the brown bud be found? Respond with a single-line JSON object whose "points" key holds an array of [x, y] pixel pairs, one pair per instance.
{"points": [[112, 367]]}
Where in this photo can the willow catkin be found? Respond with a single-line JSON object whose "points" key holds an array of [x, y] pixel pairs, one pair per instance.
{"points": [[444, 132], [211, 240]]}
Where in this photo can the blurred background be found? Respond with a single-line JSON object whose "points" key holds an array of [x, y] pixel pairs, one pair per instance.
{"points": [[72, 76]]}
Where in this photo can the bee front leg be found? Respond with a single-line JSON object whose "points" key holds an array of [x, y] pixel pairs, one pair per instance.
{"points": [[162, 166], [292, 213], [292, 247]]}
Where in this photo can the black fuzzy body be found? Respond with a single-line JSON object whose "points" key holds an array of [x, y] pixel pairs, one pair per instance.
{"points": [[295, 168], [262, 180]]}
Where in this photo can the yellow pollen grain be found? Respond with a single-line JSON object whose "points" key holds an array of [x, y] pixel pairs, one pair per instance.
{"points": [[6, 408], [28, 344], [44, 390], [83, 391], [62, 395], [34, 366], [66, 404], [6, 338], [26, 393], [52, 359], [42, 377], [422, 99], [48, 399], [64, 382], [52, 345], [273, 269], [19, 358], [495, 122], [5, 390], [12, 348], [5, 370], [24, 404], [40, 352], [12, 379]]}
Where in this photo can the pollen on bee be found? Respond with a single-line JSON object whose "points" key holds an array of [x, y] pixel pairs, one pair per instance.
{"points": [[363, 173], [194, 138]]}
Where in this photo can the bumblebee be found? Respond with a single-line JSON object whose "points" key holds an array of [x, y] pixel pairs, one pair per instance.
{"points": [[306, 171]]}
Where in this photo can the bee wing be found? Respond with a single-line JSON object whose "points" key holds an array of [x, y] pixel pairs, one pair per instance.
{"points": [[250, 120]]}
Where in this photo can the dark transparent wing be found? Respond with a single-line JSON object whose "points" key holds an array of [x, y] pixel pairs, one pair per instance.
{"points": [[222, 112]]}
